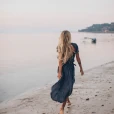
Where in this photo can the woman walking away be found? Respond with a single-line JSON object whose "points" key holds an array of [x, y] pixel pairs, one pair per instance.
{"points": [[62, 89]]}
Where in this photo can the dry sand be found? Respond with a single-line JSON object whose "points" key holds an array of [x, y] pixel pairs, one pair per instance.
{"points": [[93, 93]]}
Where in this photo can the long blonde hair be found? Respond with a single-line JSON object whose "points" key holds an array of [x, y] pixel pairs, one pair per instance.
{"points": [[64, 46]]}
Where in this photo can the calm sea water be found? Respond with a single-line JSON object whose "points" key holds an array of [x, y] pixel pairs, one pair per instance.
{"points": [[30, 60]]}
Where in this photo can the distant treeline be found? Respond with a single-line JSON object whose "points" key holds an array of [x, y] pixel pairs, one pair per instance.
{"points": [[105, 28]]}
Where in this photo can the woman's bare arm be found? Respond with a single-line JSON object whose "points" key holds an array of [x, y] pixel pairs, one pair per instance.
{"points": [[79, 63], [60, 69]]}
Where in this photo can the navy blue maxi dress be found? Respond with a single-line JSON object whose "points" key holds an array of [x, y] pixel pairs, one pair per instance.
{"points": [[64, 86]]}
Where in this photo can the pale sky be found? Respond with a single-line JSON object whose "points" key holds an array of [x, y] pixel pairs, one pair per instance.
{"points": [[52, 15]]}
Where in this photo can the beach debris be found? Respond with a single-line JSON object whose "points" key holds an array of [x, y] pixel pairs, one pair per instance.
{"points": [[102, 105], [95, 95], [87, 99]]}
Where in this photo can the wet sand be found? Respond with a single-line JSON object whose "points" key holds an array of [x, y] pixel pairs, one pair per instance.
{"points": [[93, 93]]}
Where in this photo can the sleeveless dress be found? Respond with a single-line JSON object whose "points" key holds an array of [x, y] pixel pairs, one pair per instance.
{"points": [[64, 86]]}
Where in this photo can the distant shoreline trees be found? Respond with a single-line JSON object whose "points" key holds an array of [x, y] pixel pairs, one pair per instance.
{"points": [[103, 28]]}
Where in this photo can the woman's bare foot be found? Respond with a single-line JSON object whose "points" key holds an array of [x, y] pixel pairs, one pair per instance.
{"points": [[69, 103], [61, 110]]}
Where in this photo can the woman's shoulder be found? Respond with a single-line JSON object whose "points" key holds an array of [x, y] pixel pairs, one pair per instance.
{"points": [[75, 46]]}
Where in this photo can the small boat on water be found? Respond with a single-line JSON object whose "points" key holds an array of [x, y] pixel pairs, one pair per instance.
{"points": [[93, 40]]}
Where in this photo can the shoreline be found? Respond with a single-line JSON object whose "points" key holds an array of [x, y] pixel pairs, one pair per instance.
{"points": [[29, 102], [38, 89], [47, 85]]}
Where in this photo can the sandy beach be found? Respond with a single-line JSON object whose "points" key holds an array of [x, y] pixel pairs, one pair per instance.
{"points": [[93, 93]]}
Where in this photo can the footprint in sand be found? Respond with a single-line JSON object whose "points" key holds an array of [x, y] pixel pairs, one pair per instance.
{"points": [[112, 111], [3, 112]]}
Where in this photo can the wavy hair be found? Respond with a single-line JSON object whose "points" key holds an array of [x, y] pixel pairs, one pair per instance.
{"points": [[64, 46]]}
